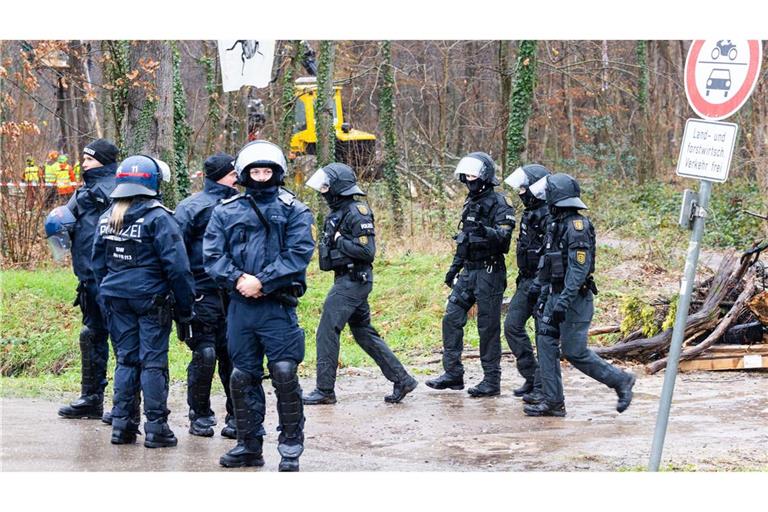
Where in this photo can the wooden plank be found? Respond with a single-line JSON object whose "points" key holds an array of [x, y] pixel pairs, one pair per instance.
{"points": [[719, 363], [761, 348]]}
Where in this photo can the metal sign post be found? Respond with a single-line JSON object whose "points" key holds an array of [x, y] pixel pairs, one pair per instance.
{"points": [[719, 78]]}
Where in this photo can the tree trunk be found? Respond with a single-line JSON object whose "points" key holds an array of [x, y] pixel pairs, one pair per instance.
{"points": [[520, 103], [326, 133]]}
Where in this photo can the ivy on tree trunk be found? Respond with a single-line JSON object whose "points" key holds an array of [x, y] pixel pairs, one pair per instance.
{"points": [[326, 133], [521, 103], [387, 124], [287, 98], [181, 130]]}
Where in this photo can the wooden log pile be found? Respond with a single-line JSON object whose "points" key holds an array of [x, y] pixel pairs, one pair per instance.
{"points": [[728, 299]]}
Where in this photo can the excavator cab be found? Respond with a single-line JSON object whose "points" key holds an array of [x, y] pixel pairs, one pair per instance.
{"points": [[355, 148]]}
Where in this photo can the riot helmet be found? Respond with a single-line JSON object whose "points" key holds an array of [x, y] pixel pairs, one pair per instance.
{"points": [[339, 179], [140, 175], [523, 178], [477, 165], [563, 191], [58, 226], [261, 154]]}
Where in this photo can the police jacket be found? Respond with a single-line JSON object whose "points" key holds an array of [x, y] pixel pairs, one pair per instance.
{"points": [[264, 234], [146, 258], [568, 260], [193, 214], [87, 205], [530, 239], [356, 245], [489, 243]]}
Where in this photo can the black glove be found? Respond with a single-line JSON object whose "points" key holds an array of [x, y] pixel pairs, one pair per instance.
{"points": [[538, 309], [184, 327], [450, 277], [558, 314], [534, 292]]}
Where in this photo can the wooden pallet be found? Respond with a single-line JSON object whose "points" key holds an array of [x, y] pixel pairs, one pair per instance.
{"points": [[729, 357]]}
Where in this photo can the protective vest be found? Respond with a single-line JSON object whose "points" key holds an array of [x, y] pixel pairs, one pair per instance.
{"points": [[571, 235], [64, 179], [356, 246], [533, 230], [32, 174], [492, 211], [51, 172]]}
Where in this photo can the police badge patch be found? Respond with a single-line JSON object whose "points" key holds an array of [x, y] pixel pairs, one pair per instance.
{"points": [[578, 224], [362, 209], [363, 240], [581, 257]]}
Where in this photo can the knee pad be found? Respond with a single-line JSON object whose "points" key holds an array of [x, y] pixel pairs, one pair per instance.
{"points": [[239, 379], [88, 337], [284, 377], [204, 356]]}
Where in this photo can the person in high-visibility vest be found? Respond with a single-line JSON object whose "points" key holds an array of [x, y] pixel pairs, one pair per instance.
{"points": [[51, 171], [76, 171], [31, 172], [64, 177]]}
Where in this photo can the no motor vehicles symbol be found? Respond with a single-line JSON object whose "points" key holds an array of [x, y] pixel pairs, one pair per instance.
{"points": [[720, 75]]}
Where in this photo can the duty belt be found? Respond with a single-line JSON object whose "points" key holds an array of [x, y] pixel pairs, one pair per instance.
{"points": [[489, 265], [587, 285], [358, 273]]}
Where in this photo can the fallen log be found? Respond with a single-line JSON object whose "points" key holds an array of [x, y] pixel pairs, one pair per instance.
{"points": [[738, 308], [607, 329], [729, 274]]}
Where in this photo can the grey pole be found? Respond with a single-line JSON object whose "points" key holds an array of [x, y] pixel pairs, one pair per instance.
{"points": [[678, 332]]}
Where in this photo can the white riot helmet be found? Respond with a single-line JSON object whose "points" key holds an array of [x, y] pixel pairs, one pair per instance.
{"points": [[261, 153]]}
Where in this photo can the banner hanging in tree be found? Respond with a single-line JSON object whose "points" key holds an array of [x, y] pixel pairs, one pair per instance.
{"points": [[720, 75], [245, 62]]}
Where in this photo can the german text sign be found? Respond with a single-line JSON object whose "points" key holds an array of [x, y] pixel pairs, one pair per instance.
{"points": [[706, 150]]}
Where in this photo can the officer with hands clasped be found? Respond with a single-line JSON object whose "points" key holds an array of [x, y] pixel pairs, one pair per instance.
{"points": [[533, 228], [209, 327], [566, 303], [141, 267], [348, 247], [72, 228], [257, 247], [477, 275]]}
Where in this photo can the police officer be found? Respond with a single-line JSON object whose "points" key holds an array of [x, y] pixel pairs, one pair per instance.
{"points": [[209, 326], [85, 206], [257, 247], [348, 247], [477, 275], [141, 266], [566, 303], [533, 227]]}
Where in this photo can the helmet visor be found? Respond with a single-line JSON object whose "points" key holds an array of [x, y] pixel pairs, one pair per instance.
{"points": [[60, 244], [165, 170], [469, 166], [539, 189], [517, 179], [319, 180]]}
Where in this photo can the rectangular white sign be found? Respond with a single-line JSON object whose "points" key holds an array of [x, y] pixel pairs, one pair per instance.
{"points": [[706, 150], [245, 62]]}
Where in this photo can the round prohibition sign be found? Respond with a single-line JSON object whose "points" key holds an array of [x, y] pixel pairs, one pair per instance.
{"points": [[716, 85]]}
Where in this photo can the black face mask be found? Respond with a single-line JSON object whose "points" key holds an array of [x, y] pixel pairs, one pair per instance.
{"points": [[476, 186], [333, 200], [529, 200]]}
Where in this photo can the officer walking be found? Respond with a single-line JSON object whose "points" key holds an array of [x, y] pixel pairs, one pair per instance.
{"points": [[141, 267], [566, 303], [85, 207], [348, 247], [257, 247], [477, 275], [209, 326], [533, 228]]}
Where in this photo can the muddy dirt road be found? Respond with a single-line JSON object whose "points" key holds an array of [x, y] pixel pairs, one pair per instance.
{"points": [[719, 422]]}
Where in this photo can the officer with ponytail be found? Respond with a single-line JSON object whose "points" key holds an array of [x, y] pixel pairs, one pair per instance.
{"points": [[141, 266]]}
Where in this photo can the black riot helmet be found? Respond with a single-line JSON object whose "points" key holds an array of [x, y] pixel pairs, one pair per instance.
{"points": [[563, 191], [339, 178], [523, 178], [477, 164]]}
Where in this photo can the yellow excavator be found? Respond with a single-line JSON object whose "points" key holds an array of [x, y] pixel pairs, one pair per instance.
{"points": [[355, 148]]}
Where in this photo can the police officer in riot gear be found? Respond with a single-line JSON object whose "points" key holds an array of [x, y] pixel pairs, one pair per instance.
{"points": [[85, 207], [209, 326], [477, 275], [565, 305], [348, 246], [257, 247], [533, 227], [141, 267]]}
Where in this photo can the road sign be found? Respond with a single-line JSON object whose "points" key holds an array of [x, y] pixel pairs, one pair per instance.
{"points": [[706, 150], [720, 75]]}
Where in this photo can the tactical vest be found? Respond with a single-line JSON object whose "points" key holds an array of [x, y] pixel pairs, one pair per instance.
{"points": [[329, 257], [555, 263], [477, 248], [530, 240]]}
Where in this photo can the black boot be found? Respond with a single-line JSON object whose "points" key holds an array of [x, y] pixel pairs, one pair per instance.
{"points": [[248, 402], [107, 417], [86, 407], [534, 397], [318, 397], [544, 409], [445, 381], [159, 435], [201, 426], [485, 388], [400, 389], [526, 388], [625, 393], [229, 431], [124, 431], [290, 413], [199, 378]]}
